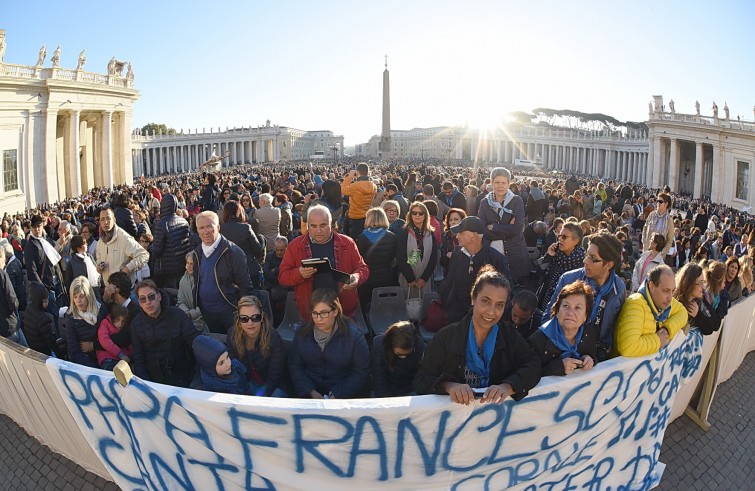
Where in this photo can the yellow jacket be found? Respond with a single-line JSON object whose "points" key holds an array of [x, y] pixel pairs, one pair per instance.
{"points": [[635, 329], [360, 192]]}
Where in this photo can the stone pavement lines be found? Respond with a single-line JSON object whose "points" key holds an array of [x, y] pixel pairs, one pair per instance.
{"points": [[724, 456], [27, 464]]}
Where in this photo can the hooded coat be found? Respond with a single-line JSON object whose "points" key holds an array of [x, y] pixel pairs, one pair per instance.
{"points": [[171, 244], [38, 322], [207, 352]]}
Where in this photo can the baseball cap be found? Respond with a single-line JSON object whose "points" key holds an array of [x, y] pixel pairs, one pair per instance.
{"points": [[469, 224]]}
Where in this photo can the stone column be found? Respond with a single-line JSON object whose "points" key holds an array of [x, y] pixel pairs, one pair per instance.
{"points": [[698, 190], [72, 164], [715, 194], [49, 192], [107, 148], [655, 167], [673, 174], [127, 173]]}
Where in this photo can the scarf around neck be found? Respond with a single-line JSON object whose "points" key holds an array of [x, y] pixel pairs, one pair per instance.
{"points": [[323, 338], [658, 316], [553, 331], [500, 208], [600, 293], [480, 365]]}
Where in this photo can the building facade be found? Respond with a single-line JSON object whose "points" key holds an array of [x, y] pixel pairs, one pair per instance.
{"points": [[702, 155], [62, 131], [184, 152]]}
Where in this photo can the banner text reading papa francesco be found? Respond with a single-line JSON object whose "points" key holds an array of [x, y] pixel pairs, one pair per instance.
{"points": [[590, 430]]}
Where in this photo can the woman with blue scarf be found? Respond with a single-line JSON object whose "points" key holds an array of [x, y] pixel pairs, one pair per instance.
{"points": [[563, 343], [502, 213], [377, 245], [480, 356]]}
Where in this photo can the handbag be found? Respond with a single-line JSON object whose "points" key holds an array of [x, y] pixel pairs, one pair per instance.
{"points": [[436, 318], [414, 305]]}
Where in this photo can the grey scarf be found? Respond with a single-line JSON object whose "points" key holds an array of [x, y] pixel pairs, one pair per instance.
{"points": [[323, 338]]}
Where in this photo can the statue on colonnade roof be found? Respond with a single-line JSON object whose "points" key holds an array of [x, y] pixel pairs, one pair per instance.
{"points": [[56, 56], [82, 59], [42, 55]]}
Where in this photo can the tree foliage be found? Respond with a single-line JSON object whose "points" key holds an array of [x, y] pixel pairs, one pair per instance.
{"points": [[157, 129], [567, 118]]}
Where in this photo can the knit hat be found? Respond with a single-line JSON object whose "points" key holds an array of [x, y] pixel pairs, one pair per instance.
{"points": [[207, 351]]}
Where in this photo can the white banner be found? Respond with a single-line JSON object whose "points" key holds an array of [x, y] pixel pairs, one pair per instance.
{"points": [[598, 429]]}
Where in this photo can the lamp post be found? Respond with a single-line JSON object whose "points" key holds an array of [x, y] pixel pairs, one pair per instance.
{"points": [[334, 148]]}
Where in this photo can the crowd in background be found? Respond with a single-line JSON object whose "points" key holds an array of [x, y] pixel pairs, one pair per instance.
{"points": [[186, 277]]}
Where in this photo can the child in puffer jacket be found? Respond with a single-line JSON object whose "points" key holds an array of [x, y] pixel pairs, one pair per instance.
{"points": [[115, 338], [217, 371]]}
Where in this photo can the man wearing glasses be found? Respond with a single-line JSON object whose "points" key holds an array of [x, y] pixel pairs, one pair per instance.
{"points": [[321, 241], [117, 250], [161, 337], [602, 261], [466, 261]]}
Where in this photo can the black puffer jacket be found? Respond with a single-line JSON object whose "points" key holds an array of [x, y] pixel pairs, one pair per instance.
{"points": [[8, 306], [243, 236], [125, 220], [38, 322], [171, 244], [379, 257], [162, 346], [77, 331]]}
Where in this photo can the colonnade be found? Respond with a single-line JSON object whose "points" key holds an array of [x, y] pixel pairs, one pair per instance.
{"points": [[91, 146], [157, 157], [675, 167], [597, 159]]}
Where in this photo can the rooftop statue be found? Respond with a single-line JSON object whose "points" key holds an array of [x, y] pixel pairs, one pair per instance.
{"points": [[697, 107], [82, 59], [715, 110], [726, 109], [2, 48], [129, 73], [671, 106], [42, 56], [56, 57], [111, 66]]}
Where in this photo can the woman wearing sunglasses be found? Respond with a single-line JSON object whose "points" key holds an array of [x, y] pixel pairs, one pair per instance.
{"points": [[417, 250], [260, 349], [329, 357]]}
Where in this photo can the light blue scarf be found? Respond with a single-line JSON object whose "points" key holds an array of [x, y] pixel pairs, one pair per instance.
{"points": [[658, 316], [480, 365], [500, 208]]}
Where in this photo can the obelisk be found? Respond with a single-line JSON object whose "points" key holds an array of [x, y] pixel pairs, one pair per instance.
{"points": [[385, 136]]}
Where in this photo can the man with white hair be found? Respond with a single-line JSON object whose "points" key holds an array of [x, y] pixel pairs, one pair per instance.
{"points": [[269, 218], [321, 241], [221, 274]]}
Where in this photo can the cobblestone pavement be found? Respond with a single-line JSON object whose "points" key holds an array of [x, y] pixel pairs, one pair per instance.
{"points": [[723, 458], [27, 464]]}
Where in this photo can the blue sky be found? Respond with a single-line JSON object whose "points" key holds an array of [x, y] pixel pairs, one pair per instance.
{"points": [[318, 65]]}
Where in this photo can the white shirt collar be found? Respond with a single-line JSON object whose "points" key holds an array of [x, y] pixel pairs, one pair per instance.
{"points": [[208, 250]]}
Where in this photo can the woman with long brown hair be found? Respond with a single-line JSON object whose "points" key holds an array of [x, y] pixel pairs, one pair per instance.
{"points": [[259, 347], [417, 250], [395, 360], [701, 292]]}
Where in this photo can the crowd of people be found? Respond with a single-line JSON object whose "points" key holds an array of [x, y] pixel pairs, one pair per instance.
{"points": [[186, 277]]}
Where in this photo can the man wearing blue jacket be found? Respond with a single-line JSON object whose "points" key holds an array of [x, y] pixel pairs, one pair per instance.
{"points": [[602, 260]]}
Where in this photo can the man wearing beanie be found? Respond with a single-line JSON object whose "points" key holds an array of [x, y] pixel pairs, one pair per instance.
{"points": [[217, 371]]}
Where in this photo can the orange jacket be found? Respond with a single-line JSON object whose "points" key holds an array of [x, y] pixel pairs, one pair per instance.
{"points": [[361, 191]]}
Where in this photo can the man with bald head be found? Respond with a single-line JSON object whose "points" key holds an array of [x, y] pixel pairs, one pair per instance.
{"points": [[321, 241]]}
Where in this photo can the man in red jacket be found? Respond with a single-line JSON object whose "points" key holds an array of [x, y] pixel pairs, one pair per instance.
{"points": [[321, 242]]}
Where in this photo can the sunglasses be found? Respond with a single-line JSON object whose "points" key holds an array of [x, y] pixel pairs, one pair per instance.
{"points": [[246, 318], [418, 213], [149, 298]]}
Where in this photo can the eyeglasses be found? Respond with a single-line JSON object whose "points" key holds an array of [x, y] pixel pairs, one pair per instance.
{"points": [[564, 237], [418, 213], [593, 259], [322, 315], [149, 298], [246, 318], [391, 210]]}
